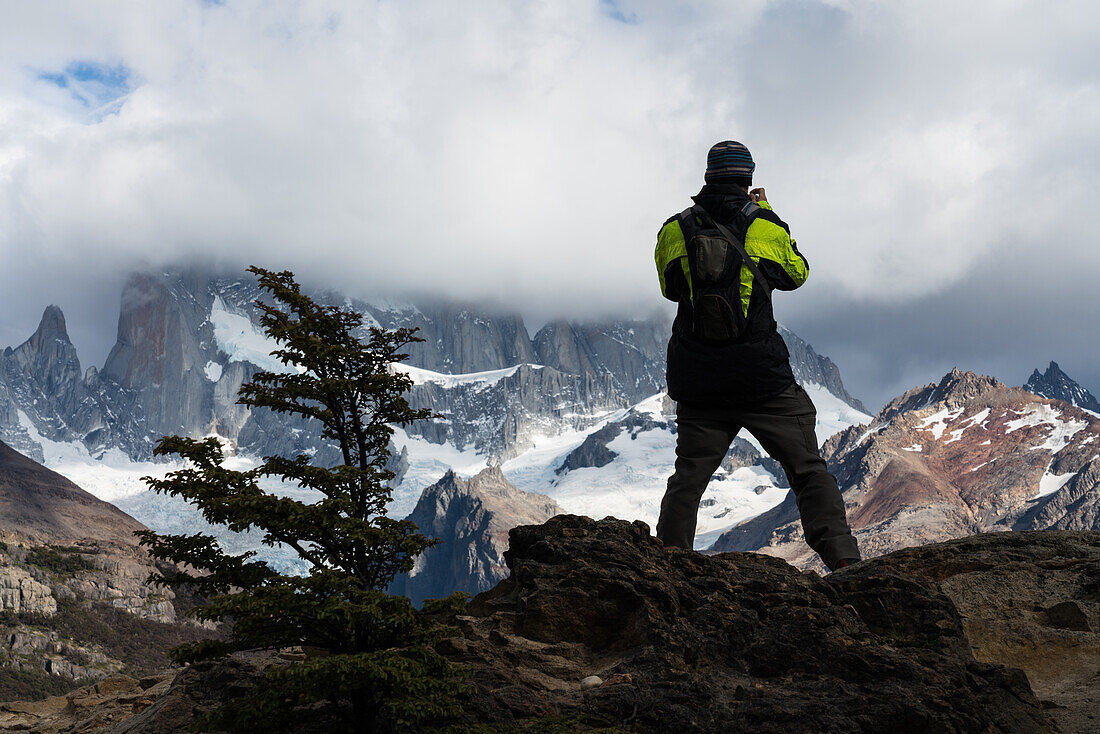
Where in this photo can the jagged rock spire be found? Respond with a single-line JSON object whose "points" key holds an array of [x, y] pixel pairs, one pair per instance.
{"points": [[1057, 385], [49, 359]]}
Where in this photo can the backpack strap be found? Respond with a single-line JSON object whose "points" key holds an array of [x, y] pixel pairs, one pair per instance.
{"points": [[748, 213], [686, 218]]}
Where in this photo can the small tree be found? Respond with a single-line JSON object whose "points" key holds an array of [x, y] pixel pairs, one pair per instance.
{"points": [[372, 666]]}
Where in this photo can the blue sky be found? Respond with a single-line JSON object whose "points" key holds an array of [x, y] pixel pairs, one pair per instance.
{"points": [[528, 152], [614, 10], [95, 86]]}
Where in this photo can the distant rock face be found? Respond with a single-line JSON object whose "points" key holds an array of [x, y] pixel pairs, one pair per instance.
{"points": [[472, 517], [22, 594], [686, 642], [1057, 385], [187, 340], [964, 456], [164, 340], [41, 377], [498, 417], [633, 352], [809, 366], [742, 454]]}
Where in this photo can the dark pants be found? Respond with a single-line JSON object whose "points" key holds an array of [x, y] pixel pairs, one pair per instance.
{"points": [[784, 426]]}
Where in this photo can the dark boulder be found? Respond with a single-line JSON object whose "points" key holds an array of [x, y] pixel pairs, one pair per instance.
{"points": [[688, 642]]}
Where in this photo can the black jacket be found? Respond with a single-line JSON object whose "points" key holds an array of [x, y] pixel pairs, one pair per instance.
{"points": [[758, 367]]}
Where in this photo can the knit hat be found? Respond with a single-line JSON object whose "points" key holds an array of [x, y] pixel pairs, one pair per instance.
{"points": [[729, 162]]}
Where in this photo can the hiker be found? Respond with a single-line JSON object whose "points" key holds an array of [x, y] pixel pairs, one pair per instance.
{"points": [[728, 368]]}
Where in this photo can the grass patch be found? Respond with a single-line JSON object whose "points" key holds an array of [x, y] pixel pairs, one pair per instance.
{"points": [[23, 685], [62, 561], [140, 644]]}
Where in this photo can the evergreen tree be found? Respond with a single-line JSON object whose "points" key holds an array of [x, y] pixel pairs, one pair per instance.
{"points": [[369, 663]]}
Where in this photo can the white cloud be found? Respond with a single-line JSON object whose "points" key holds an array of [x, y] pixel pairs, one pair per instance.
{"points": [[530, 150]]}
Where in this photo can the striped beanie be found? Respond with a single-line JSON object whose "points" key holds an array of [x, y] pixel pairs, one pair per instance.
{"points": [[729, 162]]}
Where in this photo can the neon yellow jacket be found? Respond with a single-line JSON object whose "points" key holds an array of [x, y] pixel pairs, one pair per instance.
{"points": [[767, 242]]}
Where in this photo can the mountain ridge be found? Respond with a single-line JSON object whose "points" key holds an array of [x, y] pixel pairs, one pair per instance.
{"points": [[965, 455], [1056, 384]]}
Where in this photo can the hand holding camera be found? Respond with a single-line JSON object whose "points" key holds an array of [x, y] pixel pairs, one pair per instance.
{"points": [[758, 195]]}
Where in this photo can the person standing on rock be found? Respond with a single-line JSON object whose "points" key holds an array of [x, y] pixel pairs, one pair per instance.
{"points": [[728, 368]]}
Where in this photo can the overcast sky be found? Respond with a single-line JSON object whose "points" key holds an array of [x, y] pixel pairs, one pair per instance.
{"points": [[939, 163]]}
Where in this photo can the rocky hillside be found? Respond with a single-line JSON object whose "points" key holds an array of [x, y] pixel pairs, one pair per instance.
{"points": [[1057, 385], [964, 456], [472, 518], [75, 604], [598, 625], [41, 506]]}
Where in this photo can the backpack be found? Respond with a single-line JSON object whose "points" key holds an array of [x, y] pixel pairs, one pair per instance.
{"points": [[715, 254]]}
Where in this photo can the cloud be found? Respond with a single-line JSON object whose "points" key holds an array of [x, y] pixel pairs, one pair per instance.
{"points": [[528, 152]]}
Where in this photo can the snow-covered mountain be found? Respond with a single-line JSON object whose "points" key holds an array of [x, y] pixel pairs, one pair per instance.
{"points": [[187, 340], [964, 456], [1057, 385]]}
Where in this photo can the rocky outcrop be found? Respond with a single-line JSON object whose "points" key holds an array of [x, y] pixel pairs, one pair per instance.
{"points": [[1057, 385], [1029, 600], [600, 625], [472, 518], [29, 650], [69, 561], [20, 593], [964, 456], [686, 642], [109, 705], [119, 577]]}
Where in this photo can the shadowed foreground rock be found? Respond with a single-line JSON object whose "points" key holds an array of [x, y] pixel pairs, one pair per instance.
{"points": [[1027, 599], [684, 642], [688, 642]]}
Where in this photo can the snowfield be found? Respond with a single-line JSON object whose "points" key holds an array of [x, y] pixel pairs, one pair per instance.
{"points": [[236, 335], [422, 376], [1042, 414], [631, 486]]}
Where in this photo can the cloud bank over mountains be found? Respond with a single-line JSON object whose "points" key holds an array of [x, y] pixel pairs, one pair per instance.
{"points": [[938, 175]]}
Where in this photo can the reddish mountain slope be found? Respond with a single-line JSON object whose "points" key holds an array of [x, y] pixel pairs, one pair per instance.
{"points": [[968, 455], [42, 506]]}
